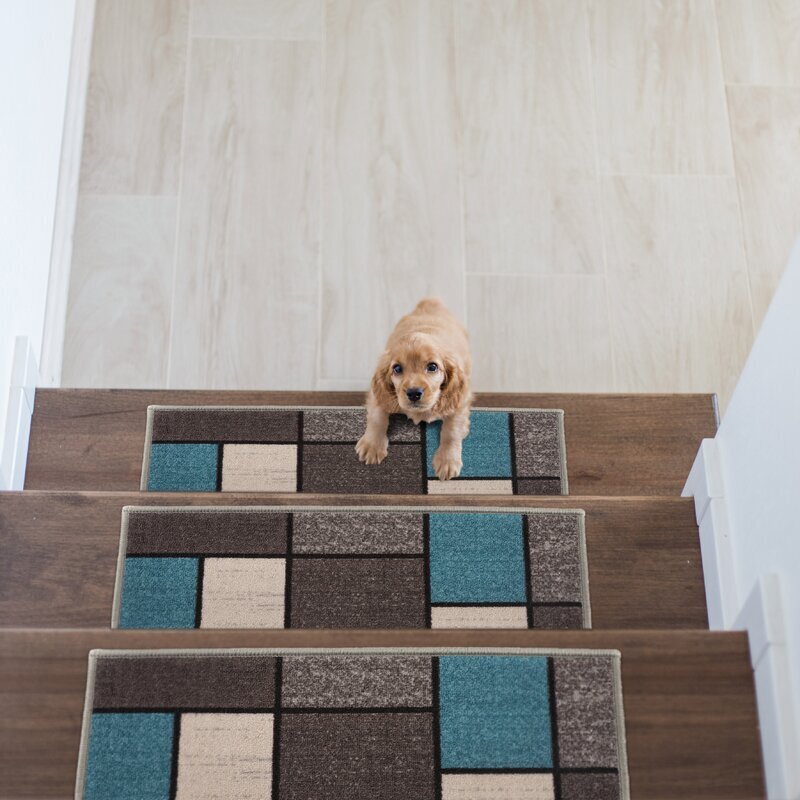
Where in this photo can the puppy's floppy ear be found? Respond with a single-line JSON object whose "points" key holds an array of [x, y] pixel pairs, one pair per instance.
{"points": [[381, 387], [454, 389]]}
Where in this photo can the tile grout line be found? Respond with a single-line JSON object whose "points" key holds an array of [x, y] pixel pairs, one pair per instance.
{"points": [[742, 238], [176, 242], [323, 72], [461, 189], [130, 195], [231, 37], [537, 275], [600, 182], [795, 86], [674, 175]]}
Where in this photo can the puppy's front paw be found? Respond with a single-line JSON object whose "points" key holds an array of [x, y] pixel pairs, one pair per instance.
{"points": [[372, 452], [446, 464]]}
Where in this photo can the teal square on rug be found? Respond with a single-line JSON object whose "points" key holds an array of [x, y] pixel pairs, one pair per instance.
{"points": [[477, 558], [159, 593], [495, 712], [486, 452], [183, 467], [130, 757]]}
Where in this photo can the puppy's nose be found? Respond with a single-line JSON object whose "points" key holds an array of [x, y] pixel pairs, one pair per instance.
{"points": [[414, 394]]}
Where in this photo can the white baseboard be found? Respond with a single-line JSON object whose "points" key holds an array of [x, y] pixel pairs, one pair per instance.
{"points": [[21, 398], [705, 478], [719, 571], [761, 615], [55, 317], [705, 485]]}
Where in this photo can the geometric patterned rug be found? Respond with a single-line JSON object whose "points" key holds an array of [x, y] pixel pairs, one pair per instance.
{"points": [[376, 567], [312, 449], [353, 725]]}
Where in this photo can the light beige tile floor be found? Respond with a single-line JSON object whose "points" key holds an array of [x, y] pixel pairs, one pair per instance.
{"points": [[392, 222], [760, 41], [521, 344], [279, 20], [246, 270], [658, 84], [134, 105], [118, 313], [672, 242], [605, 190], [526, 109], [766, 136]]}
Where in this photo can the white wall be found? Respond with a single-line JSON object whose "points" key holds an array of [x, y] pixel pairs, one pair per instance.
{"points": [[759, 451], [759, 445], [35, 49], [746, 486]]}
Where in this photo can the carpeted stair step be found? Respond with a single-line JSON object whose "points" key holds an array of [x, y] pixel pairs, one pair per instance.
{"points": [[688, 699], [59, 550], [92, 440], [310, 450], [359, 723]]}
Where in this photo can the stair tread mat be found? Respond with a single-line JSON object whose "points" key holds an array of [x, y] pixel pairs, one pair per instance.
{"points": [[351, 567], [510, 723], [312, 449]]}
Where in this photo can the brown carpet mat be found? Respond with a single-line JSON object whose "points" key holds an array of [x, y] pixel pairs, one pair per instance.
{"points": [[361, 725], [312, 449], [387, 567]]}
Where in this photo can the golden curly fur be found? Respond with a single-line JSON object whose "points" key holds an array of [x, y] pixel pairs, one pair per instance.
{"points": [[424, 373]]}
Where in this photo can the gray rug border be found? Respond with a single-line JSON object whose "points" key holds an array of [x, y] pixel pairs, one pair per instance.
{"points": [[151, 409], [578, 512], [96, 654]]}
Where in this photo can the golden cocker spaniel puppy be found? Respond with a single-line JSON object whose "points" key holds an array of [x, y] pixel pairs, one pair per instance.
{"points": [[424, 373]]}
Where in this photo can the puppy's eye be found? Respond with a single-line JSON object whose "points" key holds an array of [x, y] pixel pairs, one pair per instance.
{"points": [[432, 367], [397, 369]]}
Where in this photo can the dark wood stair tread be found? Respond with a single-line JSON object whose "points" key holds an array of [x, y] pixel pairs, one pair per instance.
{"points": [[92, 439], [688, 696], [58, 553]]}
